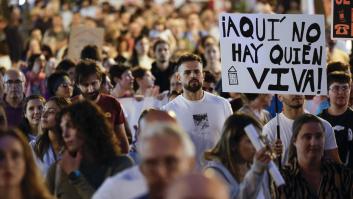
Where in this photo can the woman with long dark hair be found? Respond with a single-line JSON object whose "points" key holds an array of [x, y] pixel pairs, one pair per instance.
{"points": [[47, 146], [92, 152], [236, 161], [20, 178], [33, 108]]}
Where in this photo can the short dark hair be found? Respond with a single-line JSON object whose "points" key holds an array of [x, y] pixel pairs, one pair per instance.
{"points": [[157, 42], [337, 66], [54, 81], [339, 77], [139, 72], [91, 52], [117, 71], [65, 65], [250, 96], [86, 68], [209, 77], [186, 58]]}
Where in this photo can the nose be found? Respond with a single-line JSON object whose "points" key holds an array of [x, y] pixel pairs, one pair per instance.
{"points": [[161, 172], [44, 114], [37, 111]]}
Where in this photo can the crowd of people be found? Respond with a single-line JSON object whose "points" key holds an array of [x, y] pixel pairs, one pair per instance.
{"points": [[144, 115]]}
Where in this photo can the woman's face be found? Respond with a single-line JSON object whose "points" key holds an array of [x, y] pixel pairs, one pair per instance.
{"points": [[65, 89], [212, 53], [48, 116], [12, 163], [310, 142], [245, 149], [34, 111], [70, 134]]}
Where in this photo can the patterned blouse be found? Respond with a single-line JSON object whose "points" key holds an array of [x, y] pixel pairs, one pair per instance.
{"points": [[336, 183]]}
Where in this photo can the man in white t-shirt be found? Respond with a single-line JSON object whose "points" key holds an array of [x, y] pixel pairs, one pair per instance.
{"points": [[292, 109], [200, 113]]}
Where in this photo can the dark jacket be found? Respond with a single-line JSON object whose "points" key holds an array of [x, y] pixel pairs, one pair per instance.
{"points": [[89, 180]]}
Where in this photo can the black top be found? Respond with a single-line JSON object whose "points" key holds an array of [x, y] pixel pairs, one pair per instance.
{"points": [[163, 77], [343, 127]]}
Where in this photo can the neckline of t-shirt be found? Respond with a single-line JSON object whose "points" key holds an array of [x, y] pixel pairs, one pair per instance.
{"points": [[195, 101]]}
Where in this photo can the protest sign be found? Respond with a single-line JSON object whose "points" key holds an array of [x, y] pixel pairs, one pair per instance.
{"points": [[270, 53], [83, 36], [342, 19]]}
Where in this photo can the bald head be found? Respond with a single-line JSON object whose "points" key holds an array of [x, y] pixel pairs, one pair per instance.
{"points": [[197, 186], [159, 116]]}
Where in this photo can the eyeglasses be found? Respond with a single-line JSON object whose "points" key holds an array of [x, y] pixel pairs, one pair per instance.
{"points": [[337, 88], [13, 82]]}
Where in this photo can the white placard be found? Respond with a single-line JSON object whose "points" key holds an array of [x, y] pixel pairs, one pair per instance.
{"points": [[273, 53], [82, 36], [272, 167]]}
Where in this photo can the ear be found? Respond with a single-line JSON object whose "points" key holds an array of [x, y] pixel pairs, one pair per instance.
{"points": [[116, 80]]}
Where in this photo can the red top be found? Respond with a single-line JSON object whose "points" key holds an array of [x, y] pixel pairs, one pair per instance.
{"points": [[110, 107]]}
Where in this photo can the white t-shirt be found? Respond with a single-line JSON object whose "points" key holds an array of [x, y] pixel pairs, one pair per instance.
{"points": [[133, 108], [48, 159], [127, 184], [202, 119], [270, 129]]}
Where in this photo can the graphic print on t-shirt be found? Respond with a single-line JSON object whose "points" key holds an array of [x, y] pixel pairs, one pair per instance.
{"points": [[201, 121]]}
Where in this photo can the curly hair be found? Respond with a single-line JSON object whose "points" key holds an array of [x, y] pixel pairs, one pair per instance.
{"points": [[32, 184], [92, 125]]}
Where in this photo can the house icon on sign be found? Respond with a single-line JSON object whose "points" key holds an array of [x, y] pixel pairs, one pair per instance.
{"points": [[232, 76]]}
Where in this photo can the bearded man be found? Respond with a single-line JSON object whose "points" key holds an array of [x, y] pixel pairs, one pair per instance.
{"points": [[200, 113]]}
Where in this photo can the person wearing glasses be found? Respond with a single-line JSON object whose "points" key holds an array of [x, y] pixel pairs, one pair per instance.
{"points": [[14, 81], [339, 115]]}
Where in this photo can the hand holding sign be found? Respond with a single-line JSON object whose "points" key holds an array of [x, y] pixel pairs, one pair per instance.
{"points": [[254, 138]]}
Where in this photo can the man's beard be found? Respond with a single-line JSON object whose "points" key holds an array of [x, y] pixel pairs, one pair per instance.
{"points": [[193, 87], [296, 106], [91, 96]]}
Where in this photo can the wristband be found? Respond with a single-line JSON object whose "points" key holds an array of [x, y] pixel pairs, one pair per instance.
{"points": [[74, 175]]}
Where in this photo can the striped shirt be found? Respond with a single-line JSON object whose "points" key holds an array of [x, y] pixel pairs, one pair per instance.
{"points": [[336, 183]]}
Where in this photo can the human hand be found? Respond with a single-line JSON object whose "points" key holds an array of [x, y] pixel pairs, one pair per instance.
{"points": [[263, 155], [68, 163], [278, 147]]}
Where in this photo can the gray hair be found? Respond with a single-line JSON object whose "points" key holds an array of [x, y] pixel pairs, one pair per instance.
{"points": [[166, 129]]}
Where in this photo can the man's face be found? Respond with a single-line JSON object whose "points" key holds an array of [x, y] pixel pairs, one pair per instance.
{"points": [[14, 85], [162, 53], [90, 87], [163, 160], [191, 76], [175, 84], [292, 101], [338, 94]]}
